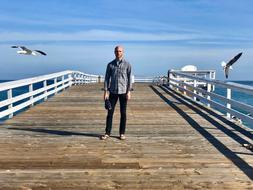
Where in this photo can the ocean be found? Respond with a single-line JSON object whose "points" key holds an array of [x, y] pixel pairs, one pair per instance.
{"points": [[236, 95]]}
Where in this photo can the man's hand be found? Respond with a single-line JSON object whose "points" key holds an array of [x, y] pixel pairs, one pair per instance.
{"points": [[128, 95], [106, 95]]}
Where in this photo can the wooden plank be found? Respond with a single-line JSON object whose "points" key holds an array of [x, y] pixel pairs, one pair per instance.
{"points": [[169, 145]]}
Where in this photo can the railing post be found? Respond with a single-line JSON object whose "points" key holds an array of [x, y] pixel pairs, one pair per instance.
{"points": [[30, 90], [44, 86], [9, 96], [177, 83], [69, 77], [74, 78], [213, 75], [195, 86], [77, 79], [185, 90], [208, 97], [55, 88], [228, 105], [170, 75], [62, 79], [86, 79]]}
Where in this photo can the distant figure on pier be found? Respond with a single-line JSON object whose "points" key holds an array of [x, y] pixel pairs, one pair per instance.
{"points": [[117, 85], [25, 51], [228, 65]]}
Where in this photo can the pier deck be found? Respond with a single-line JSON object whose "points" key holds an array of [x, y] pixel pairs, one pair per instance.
{"points": [[171, 144]]}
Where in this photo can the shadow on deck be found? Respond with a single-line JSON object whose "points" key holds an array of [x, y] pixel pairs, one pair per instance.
{"points": [[231, 155]]}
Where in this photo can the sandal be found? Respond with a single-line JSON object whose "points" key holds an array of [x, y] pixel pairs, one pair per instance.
{"points": [[122, 137], [104, 137]]}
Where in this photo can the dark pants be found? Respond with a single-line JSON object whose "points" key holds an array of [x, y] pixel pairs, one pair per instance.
{"points": [[123, 105]]}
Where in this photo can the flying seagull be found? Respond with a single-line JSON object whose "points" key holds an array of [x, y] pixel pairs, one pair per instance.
{"points": [[25, 51], [228, 65]]}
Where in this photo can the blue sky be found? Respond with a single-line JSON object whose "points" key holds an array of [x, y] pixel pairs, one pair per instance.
{"points": [[157, 35]]}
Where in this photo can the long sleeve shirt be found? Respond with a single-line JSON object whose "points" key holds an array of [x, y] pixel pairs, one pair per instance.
{"points": [[118, 77]]}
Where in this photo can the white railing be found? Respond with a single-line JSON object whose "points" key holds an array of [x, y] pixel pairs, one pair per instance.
{"points": [[205, 95], [48, 85], [144, 79], [206, 74], [83, 78]]}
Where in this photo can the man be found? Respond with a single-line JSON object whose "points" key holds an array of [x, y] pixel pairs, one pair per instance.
{"points": [[117, 85]]}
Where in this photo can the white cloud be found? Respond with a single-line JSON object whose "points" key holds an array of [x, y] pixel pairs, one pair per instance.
{"points": [[95, 35]]}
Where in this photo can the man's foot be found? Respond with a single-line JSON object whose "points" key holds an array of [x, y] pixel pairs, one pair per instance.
{"points": [[104, 137], [122, 137]]}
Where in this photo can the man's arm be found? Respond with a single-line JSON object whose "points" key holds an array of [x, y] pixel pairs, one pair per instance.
{"points": [[129, 83], [106, 83]]}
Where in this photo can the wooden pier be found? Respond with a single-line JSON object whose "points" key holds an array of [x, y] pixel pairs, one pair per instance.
{"points": [[172, 143]]}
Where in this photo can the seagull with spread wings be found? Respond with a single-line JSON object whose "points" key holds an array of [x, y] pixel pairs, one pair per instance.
{"points": [[25, 51], [228, 65]]}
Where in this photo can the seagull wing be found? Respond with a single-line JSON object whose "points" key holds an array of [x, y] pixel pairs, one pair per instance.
{"points": [[41, 52], [25, 49], [232, 61], [21, 47]]}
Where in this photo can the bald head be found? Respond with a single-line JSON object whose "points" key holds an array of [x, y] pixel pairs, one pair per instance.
{"points": [[118, 51]]}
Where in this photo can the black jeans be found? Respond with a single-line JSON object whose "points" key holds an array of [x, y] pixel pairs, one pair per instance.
{"points": [[123, 105]]}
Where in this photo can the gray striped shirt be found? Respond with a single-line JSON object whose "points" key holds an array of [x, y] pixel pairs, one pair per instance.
{"points": [[118, 77]]}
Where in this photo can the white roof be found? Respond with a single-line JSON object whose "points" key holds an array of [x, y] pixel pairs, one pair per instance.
{"points": [[189, 68]]}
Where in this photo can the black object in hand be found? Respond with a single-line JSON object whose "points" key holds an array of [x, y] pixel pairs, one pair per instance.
{"points": [[108, 105]]}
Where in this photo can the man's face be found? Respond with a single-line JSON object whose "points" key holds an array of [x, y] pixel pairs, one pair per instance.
{"points": [[118, 52]]}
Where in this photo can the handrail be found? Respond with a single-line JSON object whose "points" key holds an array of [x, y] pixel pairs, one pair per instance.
{"points": [[240, 87], [59, 80], [144, 79], [208, 97], [24, 82]]}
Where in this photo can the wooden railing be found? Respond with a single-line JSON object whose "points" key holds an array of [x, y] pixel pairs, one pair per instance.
{"points": [[48, 86], [205, 95]]}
